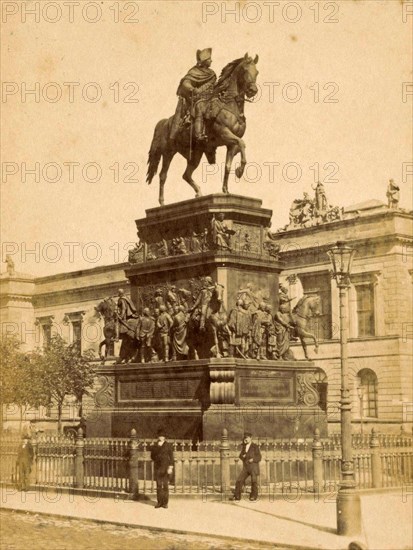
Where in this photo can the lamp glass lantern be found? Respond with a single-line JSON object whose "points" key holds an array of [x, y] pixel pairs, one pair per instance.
{"points": [[341, 256]]}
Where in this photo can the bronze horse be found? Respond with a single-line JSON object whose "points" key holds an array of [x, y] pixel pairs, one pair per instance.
{"points": [[225, 126], [306, 308], [108, 310], [115, 328]]}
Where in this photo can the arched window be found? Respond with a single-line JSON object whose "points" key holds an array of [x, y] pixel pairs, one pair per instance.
{"points": [[367, 392], [320, 385]]}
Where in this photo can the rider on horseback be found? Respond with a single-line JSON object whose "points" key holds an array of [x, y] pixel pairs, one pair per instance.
{"points": [[284, 307], [125, 310], [203, 300], [194, 90]]}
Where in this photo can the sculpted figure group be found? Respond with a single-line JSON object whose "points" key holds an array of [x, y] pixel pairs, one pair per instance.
{"points": [[307, 212], [177, 324], [258, 334]]}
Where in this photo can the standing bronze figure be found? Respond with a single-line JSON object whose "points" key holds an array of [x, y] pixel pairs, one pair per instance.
{"points": [[216, 111]]}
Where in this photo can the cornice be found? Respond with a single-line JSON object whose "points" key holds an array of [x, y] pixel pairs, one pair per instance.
{"points": [[83, 294], [16, 298], [308, 249], [80, 273], [201, 260], [336, 224]]}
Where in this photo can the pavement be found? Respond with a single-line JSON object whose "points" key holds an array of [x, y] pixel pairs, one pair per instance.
{"points": [[286, 521]]}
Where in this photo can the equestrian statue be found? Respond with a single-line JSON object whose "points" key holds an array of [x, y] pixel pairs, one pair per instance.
{"points": [[209, 114]]}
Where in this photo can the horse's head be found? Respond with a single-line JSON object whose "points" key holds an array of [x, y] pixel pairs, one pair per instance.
{"points": [[219, 293], [99, 309], [217, 300], [308, 306], [314, 304], [247, 75], [106, 308], [239, 76]]}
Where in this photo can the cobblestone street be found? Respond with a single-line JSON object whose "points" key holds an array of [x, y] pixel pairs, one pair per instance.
{"points": [[22, 531]]}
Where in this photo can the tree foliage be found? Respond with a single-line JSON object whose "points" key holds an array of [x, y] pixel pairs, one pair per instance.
{"points": [[45, 376], [10, 363], [62, 371]]}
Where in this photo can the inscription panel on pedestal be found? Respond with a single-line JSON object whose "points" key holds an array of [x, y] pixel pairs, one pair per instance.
{"points": [[267, 386], [148, 390]]}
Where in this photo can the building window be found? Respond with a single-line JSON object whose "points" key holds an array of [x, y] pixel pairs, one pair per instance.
{"points": [[77, 333], [320, 284], [74, 320], [365, 309], [45, 325], [320, 384], [367, 388], [47, 334]]}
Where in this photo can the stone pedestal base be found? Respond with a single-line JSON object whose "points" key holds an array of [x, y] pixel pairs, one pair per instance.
{"points": [[197, 399], [264, 421]]}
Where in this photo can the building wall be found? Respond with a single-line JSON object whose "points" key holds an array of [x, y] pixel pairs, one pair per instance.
{"points": [[383, 259], [57, 300]]}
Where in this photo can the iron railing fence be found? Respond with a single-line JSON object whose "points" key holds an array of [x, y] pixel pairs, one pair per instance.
{"points": [[287, 465]]}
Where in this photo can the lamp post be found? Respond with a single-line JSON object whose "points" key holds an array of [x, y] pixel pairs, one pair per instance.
{"points": [[348, 500], [360, 396]]}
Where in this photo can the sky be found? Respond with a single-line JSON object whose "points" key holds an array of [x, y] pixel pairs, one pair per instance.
{"points": [[334, 104]]}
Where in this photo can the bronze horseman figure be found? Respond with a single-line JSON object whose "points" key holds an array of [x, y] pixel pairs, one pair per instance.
{"points": [[209, 114], [194, 90]]}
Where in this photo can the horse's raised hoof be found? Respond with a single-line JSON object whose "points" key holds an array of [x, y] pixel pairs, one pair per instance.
{"points": [[198, 194], [239, 170]]}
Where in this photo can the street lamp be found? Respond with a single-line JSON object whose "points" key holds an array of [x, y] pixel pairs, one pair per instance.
{"points": [[348, 500], [360, 396]]}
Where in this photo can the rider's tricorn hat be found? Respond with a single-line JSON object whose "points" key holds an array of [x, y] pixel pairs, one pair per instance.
{"points": [[203, 55]]}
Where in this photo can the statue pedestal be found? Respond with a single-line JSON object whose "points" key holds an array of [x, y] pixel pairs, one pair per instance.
{"points": [[177, 248], [224, 237], [196, 399]]}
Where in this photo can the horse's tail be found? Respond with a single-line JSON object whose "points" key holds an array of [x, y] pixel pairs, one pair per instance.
{"points": [[155, 151]]}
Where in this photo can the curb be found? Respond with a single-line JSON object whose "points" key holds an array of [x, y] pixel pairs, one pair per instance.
{"points": [[223, 497], [164, 530]]}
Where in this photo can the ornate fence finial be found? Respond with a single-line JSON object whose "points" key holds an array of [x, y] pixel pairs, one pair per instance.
{"points": [[133, 433], [79, 434]]}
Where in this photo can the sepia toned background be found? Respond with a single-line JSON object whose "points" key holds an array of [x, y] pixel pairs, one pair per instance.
{"points": [[335, 104]]}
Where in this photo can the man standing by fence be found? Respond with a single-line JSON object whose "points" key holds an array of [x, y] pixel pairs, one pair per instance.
{"points": [[251, 458], [24, 463], [163, 459]]}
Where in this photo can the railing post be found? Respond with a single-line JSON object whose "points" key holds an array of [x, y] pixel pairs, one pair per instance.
{"points": [[376, 474], [79, 466], [317, 450], [133, 465], [224, 462], [35, 446]]}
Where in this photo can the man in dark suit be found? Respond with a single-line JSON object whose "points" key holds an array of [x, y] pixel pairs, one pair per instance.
{"points": [[163, 460], [24, 463], [251, 457]]}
